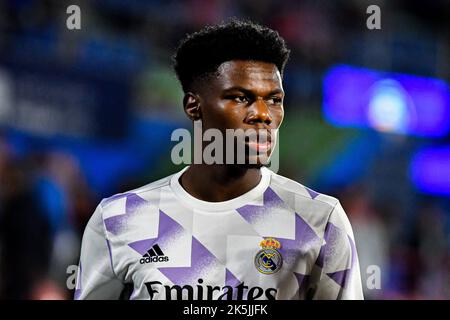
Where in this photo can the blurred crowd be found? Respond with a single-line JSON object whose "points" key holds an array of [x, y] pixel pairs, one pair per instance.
{"points": [[45, 203], [47, 195]]}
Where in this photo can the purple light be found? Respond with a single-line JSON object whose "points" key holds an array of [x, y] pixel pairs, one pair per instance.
{"points": [[384, 101], [430, 170]]}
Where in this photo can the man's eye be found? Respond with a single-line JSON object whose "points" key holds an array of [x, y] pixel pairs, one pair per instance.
{"points": [[275, 100], [240, 99]]}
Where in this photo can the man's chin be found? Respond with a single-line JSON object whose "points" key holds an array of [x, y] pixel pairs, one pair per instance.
{"points": [[252, 166], [254, 162]]}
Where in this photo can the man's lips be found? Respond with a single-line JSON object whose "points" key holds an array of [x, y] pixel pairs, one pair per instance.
{"points": [[260, 146]]}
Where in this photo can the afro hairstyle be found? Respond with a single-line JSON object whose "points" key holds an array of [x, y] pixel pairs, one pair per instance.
{"points": [[200, 54]]}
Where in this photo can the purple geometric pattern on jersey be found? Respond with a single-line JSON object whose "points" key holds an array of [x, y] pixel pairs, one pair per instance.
{"points": [[78, 285], [77, 294], [271, 201], [201, 261], [305, 237], [303, 282], [341, 277], [168, 231], [312, 193], [113, 198], [305, 240], [232, 281], [110, 255], [118, 223], [330, 250], [331, 237], [142, 246]]}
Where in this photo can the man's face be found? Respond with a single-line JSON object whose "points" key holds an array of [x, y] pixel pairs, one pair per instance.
{"points": [[245, 95]]}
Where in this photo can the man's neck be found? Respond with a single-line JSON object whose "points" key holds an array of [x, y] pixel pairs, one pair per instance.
{"points": [[217, 183]]}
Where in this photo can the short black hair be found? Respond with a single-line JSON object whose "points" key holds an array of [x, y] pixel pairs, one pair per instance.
{"points": [[201, 53]]}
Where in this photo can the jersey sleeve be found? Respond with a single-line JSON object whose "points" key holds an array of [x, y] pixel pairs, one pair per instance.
{"points": [[96, 278], [339, 273]]}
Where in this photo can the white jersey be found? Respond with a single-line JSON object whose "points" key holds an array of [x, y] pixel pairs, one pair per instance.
{"points": [[280, 240]]}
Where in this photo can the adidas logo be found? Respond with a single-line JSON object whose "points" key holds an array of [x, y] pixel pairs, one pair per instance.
{"points": [[154, 254]]}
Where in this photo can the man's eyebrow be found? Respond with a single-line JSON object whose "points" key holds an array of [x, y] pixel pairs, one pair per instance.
{"points": [[249, 92]]}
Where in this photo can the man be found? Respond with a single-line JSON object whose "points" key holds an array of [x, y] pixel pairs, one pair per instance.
{"points": [[223, 231]]}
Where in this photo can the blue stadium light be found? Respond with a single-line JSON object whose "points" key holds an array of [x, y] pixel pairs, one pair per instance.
{"points": [[430, 170], [387, 102]]}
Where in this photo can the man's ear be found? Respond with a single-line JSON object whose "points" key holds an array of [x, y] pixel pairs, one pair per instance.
{"points": [[191, 104]]}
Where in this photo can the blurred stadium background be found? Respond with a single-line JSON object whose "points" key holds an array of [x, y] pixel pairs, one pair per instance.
{"points": [[88, 113]]}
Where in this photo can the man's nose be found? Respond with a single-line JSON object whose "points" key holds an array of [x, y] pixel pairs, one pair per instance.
{"points": [[259, 112]]}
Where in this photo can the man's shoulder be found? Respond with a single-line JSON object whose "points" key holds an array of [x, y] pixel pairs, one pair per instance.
{"points": [[302, 194], [128, 216], [137, 193]]}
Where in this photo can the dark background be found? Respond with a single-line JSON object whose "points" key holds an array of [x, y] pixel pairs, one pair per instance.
{"points": [[88, 113]]}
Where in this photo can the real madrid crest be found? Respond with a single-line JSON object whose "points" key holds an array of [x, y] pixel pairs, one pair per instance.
{"points": [[268, 260]]}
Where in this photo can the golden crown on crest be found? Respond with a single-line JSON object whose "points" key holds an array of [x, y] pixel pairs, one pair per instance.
{"points": [[270, 243]]}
